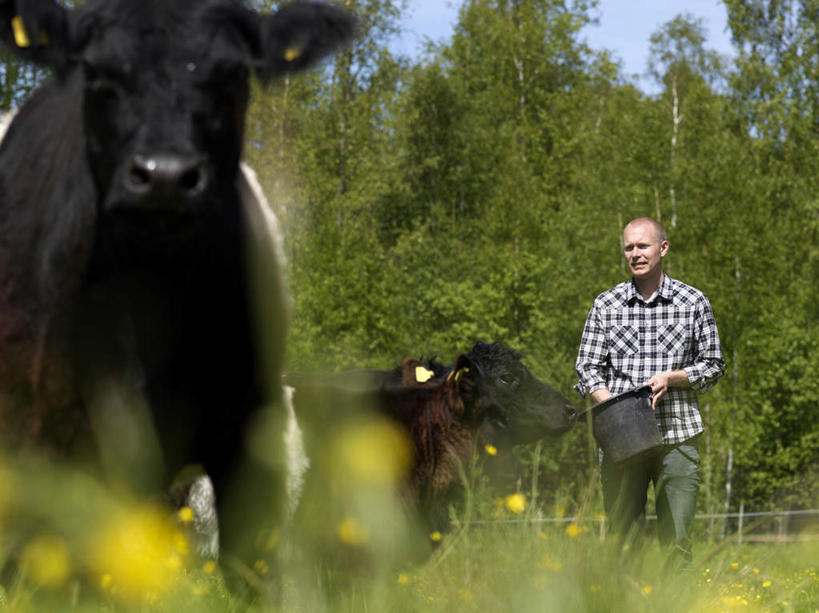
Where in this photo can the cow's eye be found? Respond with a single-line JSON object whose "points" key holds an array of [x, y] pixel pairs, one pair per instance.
{"points": [[101, 83], [508, 379]]}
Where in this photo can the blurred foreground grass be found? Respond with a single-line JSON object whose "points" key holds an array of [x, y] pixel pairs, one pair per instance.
{"points": [[68, 544]]}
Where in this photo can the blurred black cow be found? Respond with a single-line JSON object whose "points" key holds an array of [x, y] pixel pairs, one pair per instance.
{"points": [[486, 396], [133, 259]]}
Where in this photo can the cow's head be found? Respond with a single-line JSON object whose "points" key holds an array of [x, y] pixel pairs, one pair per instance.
{"points": [[516, 407], [164, 87]]}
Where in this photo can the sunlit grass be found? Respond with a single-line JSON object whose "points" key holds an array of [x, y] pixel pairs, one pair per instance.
{"points": [[69, 544]]}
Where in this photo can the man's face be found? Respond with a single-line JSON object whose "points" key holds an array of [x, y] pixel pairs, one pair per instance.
{"points": [[643, 249]]}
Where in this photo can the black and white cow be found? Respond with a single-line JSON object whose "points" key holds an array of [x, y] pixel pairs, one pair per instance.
{"points": [[141, 302]]}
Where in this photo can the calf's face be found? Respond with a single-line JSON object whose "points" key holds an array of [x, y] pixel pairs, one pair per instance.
{"points": [[518, 408]]}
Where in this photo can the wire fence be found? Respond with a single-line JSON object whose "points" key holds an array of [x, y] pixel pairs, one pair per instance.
{"points": [[746, 527]]}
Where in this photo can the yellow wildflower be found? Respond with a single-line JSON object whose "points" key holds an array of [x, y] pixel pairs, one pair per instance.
{"points": [[180, 543], [350, 531], [647, 589], [573, 530], [515, 503], [185, 515], [491, 449], [46, 561], [373, 452], [766, 584], [209, 567], [136, 550], [435, 536], [548, 563], [404, 579], [735, 565]]}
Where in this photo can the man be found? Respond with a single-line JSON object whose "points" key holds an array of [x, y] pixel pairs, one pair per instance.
{"points": [[653, 330]]}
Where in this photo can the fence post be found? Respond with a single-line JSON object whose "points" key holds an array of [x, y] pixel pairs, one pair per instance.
{"points": [[739, 523]]}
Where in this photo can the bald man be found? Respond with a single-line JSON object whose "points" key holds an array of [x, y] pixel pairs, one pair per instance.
{"points": [[653, 330]]}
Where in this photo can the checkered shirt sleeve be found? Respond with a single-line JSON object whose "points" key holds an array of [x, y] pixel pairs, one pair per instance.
{"points": [[627, 340]]}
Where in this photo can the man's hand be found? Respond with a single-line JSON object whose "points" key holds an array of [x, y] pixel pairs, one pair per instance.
{"points": [[600, 395], [662, 381]]}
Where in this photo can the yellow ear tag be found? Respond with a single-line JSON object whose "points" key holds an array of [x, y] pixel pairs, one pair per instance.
{"points": [[457, 374], [422, 375], [20, 36], [291, 53]]}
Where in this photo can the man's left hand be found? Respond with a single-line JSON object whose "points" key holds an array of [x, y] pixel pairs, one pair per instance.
{"points": [[662, 381]]}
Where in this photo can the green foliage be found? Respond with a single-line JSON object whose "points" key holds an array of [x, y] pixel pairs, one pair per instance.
{"points": [[479, 193]]}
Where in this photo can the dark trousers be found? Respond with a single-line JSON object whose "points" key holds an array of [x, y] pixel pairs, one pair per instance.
{"points": [[675, 473]]}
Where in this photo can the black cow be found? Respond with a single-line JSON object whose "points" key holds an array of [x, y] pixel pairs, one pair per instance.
{"points": [[136, 280], [486, 396]]}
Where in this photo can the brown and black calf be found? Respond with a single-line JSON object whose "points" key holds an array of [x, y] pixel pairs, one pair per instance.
{"points": [[487, 396]]}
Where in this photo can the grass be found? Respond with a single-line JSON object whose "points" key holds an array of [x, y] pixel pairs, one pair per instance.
{"points": [[69, 544]]}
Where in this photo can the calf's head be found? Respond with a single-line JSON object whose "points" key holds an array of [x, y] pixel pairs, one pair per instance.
{"points": [[516, 407], [164, 87]]}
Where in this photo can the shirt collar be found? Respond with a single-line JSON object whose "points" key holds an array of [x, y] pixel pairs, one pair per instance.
{"points": [[664, 293]]}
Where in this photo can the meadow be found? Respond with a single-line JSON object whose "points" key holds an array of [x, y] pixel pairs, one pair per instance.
{"points": [[70, 544]]}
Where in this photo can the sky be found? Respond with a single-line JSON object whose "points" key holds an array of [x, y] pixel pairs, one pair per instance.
{"points": [[624, 27]]}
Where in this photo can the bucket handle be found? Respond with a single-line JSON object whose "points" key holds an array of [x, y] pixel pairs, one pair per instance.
{"points": [[582, 415]]}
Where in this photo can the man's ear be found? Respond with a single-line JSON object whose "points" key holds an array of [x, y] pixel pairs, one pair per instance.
{"points": [[36, 31], [298, 35]]}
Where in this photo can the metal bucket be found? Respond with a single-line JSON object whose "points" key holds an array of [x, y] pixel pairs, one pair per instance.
{"points": [[625, 426]]}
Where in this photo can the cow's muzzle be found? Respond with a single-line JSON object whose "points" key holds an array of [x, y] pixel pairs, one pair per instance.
{"points": [[167, 178]]}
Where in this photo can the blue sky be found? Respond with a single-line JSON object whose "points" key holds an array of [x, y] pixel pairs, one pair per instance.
{"points": [[624, 27]]}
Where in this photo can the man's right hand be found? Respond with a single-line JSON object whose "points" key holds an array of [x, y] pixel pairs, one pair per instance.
{"points": [[600, 395]]}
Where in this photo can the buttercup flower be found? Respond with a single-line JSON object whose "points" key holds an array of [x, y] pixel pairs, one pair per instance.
{"points": [[350, 532], [515, 503], [46, 562], [136, 549], [185, 515], [374, 452]]}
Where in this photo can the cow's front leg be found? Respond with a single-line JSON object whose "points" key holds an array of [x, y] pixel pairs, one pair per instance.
{"points": [[246, 467]]}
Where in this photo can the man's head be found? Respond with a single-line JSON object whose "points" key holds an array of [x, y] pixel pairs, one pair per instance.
{"points": [[645, 244]]}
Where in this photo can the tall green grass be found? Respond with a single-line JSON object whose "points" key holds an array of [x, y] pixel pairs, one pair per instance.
{"points": [[71, 544]]}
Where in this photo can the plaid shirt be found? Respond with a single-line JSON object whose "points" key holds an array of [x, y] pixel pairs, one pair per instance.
{"points": [[627, 340]]}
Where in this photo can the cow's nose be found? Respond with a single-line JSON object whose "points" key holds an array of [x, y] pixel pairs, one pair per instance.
{"points": [[570, 412], [166, 175]]}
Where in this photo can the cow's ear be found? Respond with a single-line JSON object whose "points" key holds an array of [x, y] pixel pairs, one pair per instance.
{"points": [[299, 35], [415, 372], [408, 371], [461, 371], [35, 30]]}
